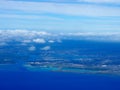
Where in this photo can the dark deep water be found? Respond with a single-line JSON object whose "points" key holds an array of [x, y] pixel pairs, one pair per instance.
{"points": [[57, 81]]}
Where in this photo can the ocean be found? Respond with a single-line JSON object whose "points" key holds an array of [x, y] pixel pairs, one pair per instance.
{"points": [[61, 63], [57, 81]]}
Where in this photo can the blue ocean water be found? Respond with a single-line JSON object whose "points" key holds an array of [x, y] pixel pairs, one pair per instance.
{"points": [[102, 59], [57, 81]]}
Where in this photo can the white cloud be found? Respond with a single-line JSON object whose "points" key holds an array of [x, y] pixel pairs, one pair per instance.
{"points": [[38, 40], [61, 8], [24, 33], [24, 36], [51, 41], [32, 48], [46, 48], [26, 41]]}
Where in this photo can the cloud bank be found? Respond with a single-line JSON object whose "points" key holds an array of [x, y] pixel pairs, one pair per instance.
{"points": [[39, 37]]}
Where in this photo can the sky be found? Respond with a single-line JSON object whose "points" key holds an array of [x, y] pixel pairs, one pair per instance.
{"points": [[61, 15]]}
